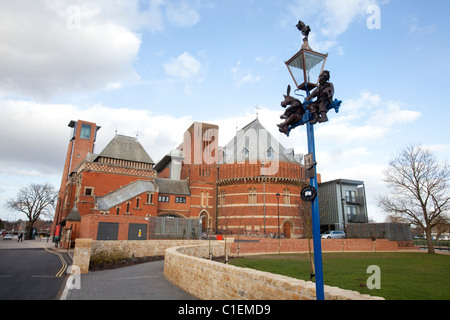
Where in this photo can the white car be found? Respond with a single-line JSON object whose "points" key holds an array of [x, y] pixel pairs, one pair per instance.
{"points": [[7, 237], [333, 235]]}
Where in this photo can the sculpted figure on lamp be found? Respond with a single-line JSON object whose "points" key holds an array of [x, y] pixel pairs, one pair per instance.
{"points": [[293, 114], [324, 94]]}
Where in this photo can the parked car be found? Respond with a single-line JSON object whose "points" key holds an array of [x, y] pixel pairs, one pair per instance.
{"points": [[333, 235], [7, 237]]}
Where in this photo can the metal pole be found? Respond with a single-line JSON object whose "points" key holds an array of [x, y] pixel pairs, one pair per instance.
{"points": [[278, 205], [320, 295], [264, 195]]}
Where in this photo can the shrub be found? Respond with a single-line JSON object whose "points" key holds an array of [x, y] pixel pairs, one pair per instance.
{"points": [[108, 257]]}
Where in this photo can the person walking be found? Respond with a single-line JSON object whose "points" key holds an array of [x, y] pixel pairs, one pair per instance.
{"points": [[19, 238]]}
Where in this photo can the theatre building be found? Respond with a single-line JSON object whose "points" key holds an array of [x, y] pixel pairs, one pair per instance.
{"points": [[250, 186]]}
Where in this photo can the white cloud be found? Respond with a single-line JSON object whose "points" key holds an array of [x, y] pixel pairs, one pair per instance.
{"points": [[243, 77], [416, 27], [52, 48], [183, 67], [330, 18], [41, 57], [365, 119], [182, 14], [36, 136]]}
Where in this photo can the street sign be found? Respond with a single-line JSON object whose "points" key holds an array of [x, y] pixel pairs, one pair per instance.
{"points": [[308, 193]]}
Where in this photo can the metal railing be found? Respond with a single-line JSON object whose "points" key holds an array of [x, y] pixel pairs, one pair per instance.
{"points": [[174, 228]]}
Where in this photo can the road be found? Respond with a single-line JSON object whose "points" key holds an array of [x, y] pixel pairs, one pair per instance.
{"points": [[31, 270]]}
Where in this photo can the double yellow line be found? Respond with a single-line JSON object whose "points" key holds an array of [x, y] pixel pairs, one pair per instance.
{"points": [[63, 261]]}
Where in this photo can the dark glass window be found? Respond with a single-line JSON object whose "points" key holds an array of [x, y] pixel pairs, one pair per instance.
{"points": [[85, 131], [180, 199], [163, 198]]}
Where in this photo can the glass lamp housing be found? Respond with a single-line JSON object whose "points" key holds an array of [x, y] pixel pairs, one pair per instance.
{"points": [[305, 68]]}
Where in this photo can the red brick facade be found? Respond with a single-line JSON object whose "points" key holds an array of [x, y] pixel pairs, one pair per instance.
{"points": [[233, 198]]}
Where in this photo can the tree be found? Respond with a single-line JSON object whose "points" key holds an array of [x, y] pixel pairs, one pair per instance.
{"points": [[419, 189], [35, 200]]}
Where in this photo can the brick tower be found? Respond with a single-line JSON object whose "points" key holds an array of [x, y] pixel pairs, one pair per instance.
{"points": [[82, 139]]}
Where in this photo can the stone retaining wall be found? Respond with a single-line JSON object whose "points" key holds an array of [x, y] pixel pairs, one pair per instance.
{"points": [[186, 267], [85, 247]]}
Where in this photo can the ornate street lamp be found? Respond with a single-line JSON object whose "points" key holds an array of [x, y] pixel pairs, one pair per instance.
{"points": [[307, 70]]}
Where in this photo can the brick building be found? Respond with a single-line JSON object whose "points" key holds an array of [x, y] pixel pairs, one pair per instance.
{"points": [[251, 185]]}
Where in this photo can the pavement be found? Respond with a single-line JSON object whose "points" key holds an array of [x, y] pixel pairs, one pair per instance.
{"points": [[138, 282]]}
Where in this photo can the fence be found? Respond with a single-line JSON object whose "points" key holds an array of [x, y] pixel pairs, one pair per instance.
{"points": [[174, 228], [390, 231]]}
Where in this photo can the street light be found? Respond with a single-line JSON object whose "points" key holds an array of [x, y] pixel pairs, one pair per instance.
{"points": [[306, 68], [278, 205]]}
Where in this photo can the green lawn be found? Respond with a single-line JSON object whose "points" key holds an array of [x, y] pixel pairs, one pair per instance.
{"points": [[404, 276]]}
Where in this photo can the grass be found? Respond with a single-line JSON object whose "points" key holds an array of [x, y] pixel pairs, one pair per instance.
{"points": [[404, 276]]}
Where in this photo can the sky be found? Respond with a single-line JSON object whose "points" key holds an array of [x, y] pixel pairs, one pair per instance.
{"points": [[149, 68]]}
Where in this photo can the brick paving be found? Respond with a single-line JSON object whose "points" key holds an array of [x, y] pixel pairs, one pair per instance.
{"points": [[139, 282]]}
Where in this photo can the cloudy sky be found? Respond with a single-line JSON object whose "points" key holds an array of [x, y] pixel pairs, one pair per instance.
{"points": [[152, 67]]}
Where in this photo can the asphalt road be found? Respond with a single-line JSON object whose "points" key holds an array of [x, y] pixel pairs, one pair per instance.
{"points": [[30, 270]]}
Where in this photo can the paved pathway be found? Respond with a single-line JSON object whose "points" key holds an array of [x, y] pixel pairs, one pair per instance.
{"points": [[139, 282]]}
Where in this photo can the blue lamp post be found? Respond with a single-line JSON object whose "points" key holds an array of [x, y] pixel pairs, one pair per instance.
{"points": [[305, 68]]}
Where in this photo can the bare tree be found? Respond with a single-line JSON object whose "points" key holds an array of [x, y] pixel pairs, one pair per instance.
{"points": [[419, 189], [35, 200], [304, 210]]}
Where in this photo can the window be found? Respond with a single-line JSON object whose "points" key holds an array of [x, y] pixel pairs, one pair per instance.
{"points": [[128, 207], [270, 153], [245, 153], [88, 191], [85, 131], [222, 198], [163, 198], [286, 196], [137, 203], [117, 210], [351, 210], [149, 197], [180, 199], [252, 196], [350, 195], [204, 198]]}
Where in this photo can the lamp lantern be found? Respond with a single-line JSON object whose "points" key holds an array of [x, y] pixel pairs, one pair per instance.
{"points": [[305, 67]]}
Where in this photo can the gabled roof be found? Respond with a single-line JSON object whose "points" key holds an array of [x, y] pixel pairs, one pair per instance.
{"points": [[255, 143], [125, 193], [126, 148]]}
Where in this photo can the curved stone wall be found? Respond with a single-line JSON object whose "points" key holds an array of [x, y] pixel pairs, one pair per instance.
{"points": [[187, 268]]}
